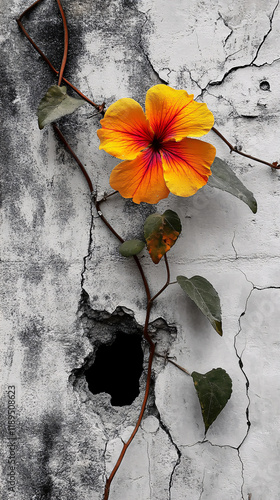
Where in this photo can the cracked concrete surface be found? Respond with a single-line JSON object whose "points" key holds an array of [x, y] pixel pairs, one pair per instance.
{"points": [[54, 247]]}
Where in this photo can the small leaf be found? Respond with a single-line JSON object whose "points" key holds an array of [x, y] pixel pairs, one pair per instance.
{"points": [[214, 389], [55, 104], [131, 247], [161, 232], [225, 179], [205, 297]]}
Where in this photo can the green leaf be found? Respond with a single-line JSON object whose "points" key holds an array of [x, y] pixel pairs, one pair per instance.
{"points": [[161, 232], [131, 247], [55, 104], [214, 389], [225, 179], [205, 297]]}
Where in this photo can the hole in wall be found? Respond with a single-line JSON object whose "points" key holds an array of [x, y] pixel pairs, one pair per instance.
{"points": [[264, 85], [117, 369], [118, 350]]}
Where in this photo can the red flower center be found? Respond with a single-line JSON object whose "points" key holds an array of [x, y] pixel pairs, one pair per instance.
{"points": [[156, 144]]}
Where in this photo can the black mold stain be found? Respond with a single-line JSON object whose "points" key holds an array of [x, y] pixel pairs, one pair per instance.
{"points": [[31, 338], [37, 475], [8, 92], [45, 26], [51, 430]]}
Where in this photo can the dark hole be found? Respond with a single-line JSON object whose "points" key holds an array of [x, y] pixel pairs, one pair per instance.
{"points": [[117, 369], [264, 85]]}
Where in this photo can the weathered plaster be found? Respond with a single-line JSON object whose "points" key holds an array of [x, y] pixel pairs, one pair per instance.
{"points": [[54, 247]]}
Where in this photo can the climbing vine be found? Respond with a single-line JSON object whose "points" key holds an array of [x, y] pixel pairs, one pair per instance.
{"points": [[158, 157]]}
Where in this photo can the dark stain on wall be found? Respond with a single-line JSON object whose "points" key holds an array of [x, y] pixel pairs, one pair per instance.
{"points": [[36, 448]]}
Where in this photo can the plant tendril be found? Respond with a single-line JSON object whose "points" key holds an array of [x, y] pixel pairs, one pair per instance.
{"points": [[148, 310], [99, 107], [65, 29], [170, 360], [234, 149]]}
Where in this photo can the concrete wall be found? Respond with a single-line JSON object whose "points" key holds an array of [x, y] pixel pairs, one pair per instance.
{"points": [[62, 275]]}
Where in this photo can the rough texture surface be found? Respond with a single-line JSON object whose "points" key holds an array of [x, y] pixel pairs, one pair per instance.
{"points": [[66, 289]]}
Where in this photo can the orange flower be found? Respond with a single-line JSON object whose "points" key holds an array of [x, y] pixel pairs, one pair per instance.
{"points": [[159, 158]]}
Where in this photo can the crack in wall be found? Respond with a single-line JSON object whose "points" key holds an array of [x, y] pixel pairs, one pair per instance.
{"points": [[252, 63], [234, 112], [254, 287], [89, 250], [179, 454], [239, 356], [227, 25], [141, 45], [232, 244], [202, 486], [104, 460], [242, 474], [149, 469], [247, 384], [236, 448], [266, 34], [195, 82]]}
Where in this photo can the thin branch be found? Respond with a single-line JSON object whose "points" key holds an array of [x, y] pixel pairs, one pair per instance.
{"points": [[167, 358], [167, 279], [97, 205], [149, 306], [98, 107], [65, 29], [126, 445], [234, 149], [108, 195], [101, 215], [26, 11], [62, 138]]}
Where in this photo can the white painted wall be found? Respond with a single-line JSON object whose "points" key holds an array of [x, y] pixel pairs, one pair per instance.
{"points": [[68, 439]]}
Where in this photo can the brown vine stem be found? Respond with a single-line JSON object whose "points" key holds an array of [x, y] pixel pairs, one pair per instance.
{"points": [[148, 310], [65, 29], [73, 154], [234, 149], [167, 358], [98, 107], [167, 279], [97, 205], [126, 445], [136, 259]]}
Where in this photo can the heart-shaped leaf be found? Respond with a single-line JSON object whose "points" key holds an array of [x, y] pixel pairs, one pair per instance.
{"points": [[214, 389], [161, 232], [55, 104], [205, 297], [225, 179], [131, 247]]}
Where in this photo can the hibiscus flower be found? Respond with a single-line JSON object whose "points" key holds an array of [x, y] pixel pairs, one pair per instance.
{"points": [[159, 158]]}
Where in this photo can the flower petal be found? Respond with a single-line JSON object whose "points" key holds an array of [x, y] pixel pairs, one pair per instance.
{"points": [[140, 179], [186, 165], [125, 130], [173, 114]]}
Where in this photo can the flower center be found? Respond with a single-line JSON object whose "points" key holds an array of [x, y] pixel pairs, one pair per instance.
{"points": [[156, 144]]}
